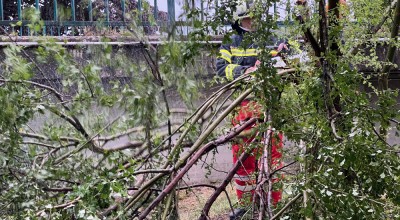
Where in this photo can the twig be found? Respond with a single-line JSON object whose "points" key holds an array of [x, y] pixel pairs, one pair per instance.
{"points": [[126, 145], [265, 169], [65, 205], [152, 171], [168, 206], [64, 189], [222, 186], [309, 36], [276, 216], [82, 146], [52, 90], [394, 120], [42, 137], [379, 135], [221, 106], [38, 144], [116, 136], [334, 130]]}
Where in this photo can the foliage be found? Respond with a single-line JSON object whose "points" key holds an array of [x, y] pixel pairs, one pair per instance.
{"points": [[100, 151]]}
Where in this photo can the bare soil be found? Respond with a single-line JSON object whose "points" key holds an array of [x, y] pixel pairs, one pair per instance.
{"points": [[192, 201]]}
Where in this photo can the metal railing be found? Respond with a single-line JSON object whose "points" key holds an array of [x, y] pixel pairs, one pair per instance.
{"points": [[80, 17], [60, 23]]}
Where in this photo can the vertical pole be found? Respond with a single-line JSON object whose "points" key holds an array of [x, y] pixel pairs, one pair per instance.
{"points": [[123, 9], [55, 10], [56, 17], [194, 18], [275, 11], [19, 9], [73, 16], [202, 10], [1, 10], [37, 8], [171, 11], [90, 10], [19, 15], [107, 12], [73, 10], [288, 10], [155, 10], [215, 11], [139, 5], [139, 8]]}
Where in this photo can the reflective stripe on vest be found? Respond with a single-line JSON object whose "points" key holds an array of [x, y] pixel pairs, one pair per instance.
{"points": [[226, 55], [244, 53], [241, 177], [245, 188], [229, 71], [249, 52]]}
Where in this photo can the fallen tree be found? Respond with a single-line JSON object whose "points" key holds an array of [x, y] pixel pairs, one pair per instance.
{"points": [[114, 150]]}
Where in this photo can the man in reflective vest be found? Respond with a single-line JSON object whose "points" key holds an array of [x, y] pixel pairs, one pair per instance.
{"points": [[234, 61]]}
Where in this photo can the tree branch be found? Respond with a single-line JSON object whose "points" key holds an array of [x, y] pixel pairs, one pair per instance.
{"points": [[42, 137], [307, 32], [52, 90], [377, 27], [222, 186], [394, 36], [38, 143], [276, 216], [65, 205], [195, 157]]}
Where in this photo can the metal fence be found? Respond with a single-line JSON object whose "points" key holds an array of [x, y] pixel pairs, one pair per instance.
{"points": [[78, 17], [59, 23]]}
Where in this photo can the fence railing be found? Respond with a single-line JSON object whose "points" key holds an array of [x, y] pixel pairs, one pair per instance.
{"points": [[83, 17], [66, 17]]}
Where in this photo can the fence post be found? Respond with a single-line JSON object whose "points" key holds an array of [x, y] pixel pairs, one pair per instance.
{"points": [[202, 10], [19, 12], [90, 11], [171, 11], [139, 9], [215, 11], [1, 10], [19, 9], [37, 9], [73, 10], [56, 18], [107, 12], [55, 10], [155, 10], [139, 5], [123, 9]]}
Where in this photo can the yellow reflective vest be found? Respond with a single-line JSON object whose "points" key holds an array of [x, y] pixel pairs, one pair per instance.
{"points": [[234, 59]]}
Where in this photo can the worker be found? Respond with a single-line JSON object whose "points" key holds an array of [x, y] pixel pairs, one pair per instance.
{"points": [[232, 62]]}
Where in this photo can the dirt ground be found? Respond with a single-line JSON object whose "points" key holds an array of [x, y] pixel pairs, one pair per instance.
{"points": [[191, 203]]}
